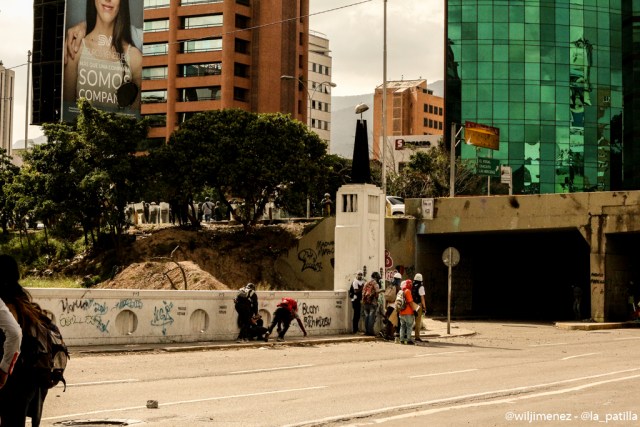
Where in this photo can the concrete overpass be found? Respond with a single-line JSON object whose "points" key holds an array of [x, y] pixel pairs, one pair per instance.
{"points": [[521, 254]]}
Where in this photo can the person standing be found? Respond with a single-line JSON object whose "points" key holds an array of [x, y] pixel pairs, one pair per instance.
{"points": [[327, 205], [391, 314], [577, 302], [370, 293], [12, 339], [407, 315], [207, 209], [418, 294], [355, 293], [246, 305], [285, 312], [23, 394], [217, 212]]}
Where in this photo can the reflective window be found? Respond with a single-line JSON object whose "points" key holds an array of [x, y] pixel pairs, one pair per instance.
{"points": [[153, 96], [155, 4], [156, 25], [151, 49], [193, 94], [201, 21], [155, 73], [194, 70], [206, 45]]}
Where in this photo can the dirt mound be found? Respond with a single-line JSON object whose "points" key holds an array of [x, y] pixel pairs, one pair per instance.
{"points": [[164, 275], [212, 257]]}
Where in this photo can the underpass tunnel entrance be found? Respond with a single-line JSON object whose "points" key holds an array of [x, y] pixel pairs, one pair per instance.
{"points": [[507, 275], [623, 251]]}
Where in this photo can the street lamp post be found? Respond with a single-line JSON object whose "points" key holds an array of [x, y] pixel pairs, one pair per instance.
{"points": [[310, 95]]}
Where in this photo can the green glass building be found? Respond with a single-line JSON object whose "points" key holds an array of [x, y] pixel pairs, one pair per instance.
{"points": [[551, 76]]}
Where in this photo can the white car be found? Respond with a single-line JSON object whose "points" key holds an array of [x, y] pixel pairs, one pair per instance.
{"points": [[397, 205]]}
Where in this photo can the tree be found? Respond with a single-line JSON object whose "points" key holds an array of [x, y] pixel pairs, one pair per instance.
{"points": [[8, 172], [427, 175], [246, 157]]}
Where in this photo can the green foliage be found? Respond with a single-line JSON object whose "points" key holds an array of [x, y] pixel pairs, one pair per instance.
{"points": [[246, 157], [427, 175]]}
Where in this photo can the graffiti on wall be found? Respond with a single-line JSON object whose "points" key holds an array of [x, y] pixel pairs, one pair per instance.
{"points": [[162, 316], [83, 312], [390, 270], [313, 317], [311, 257]]}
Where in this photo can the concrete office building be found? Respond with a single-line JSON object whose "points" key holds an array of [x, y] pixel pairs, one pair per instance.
{"points": [[198, 55], [412, 109], [320, 68], [7, 86], [557, 79]]}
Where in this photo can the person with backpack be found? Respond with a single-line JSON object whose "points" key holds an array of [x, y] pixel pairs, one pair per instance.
{"points": [[407, 317], [246, 305], [391, 314], [24, 393], [286, 311], [418, 294], [355, 294], [12, 334], [370, 293]]}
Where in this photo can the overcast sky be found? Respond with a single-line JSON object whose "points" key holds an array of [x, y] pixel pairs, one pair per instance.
{"points": [[354, 29]]}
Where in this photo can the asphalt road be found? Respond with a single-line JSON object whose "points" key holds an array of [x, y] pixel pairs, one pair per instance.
{"points": [[508, 374]]}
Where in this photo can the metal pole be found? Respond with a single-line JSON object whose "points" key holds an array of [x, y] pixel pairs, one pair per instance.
{"points": [[449, 295], [384, 101], [489, 176], [26, 116], [452, 162]]}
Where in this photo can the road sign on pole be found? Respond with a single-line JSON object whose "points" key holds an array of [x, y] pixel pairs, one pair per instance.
{"points": [[488, 167], [451, 258]]}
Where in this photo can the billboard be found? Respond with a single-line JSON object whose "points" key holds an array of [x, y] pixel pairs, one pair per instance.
{"points": [[103, 56], [482, 135]]}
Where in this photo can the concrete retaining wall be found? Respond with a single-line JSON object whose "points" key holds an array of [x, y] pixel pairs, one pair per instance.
{"points": [[115, 316]]}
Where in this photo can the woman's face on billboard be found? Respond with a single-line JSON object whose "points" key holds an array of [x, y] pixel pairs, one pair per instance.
{"points": [[107, 10]]}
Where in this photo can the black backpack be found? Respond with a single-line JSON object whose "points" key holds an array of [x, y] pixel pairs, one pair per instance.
{"points": [[45, 353], [243, 299]]}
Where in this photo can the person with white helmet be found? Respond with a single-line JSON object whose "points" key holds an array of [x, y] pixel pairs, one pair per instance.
{"points": [[418, 293], [355, 294]]}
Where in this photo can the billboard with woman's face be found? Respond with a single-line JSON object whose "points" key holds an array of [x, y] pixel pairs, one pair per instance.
{"points": [[103, 56]]}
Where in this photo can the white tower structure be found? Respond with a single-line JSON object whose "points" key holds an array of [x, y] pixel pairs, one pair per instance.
{"points": [[359, 236]]}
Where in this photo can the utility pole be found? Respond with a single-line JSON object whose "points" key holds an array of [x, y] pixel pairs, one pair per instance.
{"points": [[26, 116]]}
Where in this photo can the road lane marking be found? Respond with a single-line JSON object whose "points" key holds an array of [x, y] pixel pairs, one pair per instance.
{"points": [[378, 411], [627, 338], [507, 400], [442, 373], [184, 402], [438, 354], [102, 382], [578, 355], [270, 369], [548, 345]]}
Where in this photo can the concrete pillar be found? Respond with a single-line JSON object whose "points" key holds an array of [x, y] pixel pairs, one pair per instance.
{"points": [[359, 236], [597, 242]]}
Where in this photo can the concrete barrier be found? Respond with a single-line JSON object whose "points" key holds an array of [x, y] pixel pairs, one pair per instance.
{"points": [[115, 316]]}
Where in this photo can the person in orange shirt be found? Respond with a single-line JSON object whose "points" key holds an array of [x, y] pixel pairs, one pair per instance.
{"points": [[407, 318]]}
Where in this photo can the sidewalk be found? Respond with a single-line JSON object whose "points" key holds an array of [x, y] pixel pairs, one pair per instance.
{"points": [[594, 326], [435, 330]]}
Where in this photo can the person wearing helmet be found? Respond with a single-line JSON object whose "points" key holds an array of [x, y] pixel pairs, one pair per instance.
{"points": [[370, 293], [418, 294], [246, 305], [407, 315], [355, 294], [327, 205]]}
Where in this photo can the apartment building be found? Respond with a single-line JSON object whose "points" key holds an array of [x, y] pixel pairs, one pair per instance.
{"points": [[7, 86], [198, 55], [201, 55], [320, 84], [412, 109]]}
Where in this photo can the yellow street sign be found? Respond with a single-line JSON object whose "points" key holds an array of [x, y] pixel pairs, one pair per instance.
{"points": [[482, 135]]}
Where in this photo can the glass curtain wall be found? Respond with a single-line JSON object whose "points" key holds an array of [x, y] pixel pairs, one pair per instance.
{"points": [[549, 75]]}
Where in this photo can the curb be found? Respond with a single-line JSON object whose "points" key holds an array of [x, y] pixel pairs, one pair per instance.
{"points": [[593, 326]]}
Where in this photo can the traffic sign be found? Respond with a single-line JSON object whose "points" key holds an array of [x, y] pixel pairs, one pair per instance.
{"points": [[451, 257], [488, 167]]}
